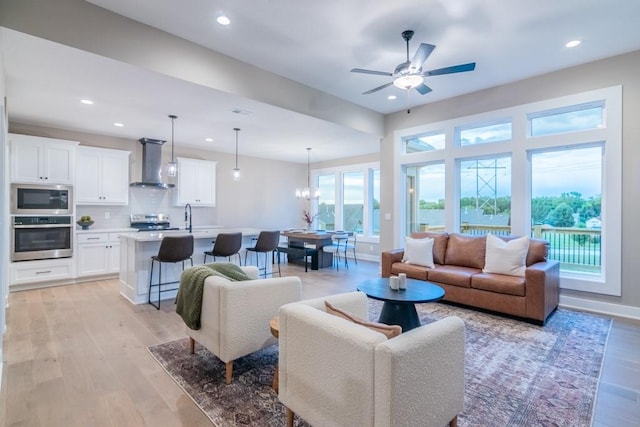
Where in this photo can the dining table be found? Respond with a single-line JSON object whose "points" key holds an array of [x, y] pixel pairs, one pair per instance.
{"points": [[318, 239]]}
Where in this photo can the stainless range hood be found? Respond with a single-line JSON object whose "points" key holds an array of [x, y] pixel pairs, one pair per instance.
{"points": [[151, 164]]}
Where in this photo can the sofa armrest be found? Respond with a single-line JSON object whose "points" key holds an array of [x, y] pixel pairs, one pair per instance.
{"points": [[421, 373], [542, 281], [388, 258]]}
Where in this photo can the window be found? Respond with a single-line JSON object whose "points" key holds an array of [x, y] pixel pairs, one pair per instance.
{"points": [[566, 206], [556, 174], [327, 202], [353, 201], [426, 142], [570, 119], [425, 198], [375, 202], [485, 196], [483, 134], [350, 199]]}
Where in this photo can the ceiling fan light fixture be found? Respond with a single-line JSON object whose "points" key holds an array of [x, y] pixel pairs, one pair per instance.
{"points": [[408, 81]]}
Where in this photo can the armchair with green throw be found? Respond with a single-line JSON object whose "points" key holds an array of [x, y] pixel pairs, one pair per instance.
{"points": [[234, 319]]}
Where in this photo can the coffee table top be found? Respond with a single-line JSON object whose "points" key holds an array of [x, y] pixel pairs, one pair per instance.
{"points": [[418, 291]]}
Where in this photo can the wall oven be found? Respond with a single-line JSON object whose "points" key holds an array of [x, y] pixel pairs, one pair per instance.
{"points": [[41, 237], [35, 199]]}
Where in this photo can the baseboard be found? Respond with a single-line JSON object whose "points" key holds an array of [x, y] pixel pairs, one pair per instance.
{"points": [[601, 307]]}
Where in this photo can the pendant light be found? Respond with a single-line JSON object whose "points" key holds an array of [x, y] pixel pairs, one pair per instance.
{"points": [[236, 170], [172, 166], [306, 193]]}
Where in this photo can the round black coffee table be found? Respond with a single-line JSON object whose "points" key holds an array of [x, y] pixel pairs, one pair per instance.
{"points": [[399, 306]]}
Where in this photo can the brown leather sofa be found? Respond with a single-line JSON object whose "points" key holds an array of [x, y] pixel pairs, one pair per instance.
{"points": [[459, 260]]}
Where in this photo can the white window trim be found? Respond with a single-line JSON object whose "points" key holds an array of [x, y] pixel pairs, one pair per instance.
{"points": [[338, 171], [519, 147]]}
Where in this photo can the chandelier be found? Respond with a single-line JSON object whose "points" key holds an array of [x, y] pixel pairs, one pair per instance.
{"points": [[236, 170], [307, 192]]}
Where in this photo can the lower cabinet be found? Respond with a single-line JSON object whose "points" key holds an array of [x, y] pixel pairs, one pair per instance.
{"points": [[46, 270], [98, 254]]}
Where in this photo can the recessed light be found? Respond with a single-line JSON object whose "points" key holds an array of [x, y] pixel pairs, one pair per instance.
{"points": [[573, 43], [209, 139], [223, 20], [87, 101], [391, 97], [119, 125]]}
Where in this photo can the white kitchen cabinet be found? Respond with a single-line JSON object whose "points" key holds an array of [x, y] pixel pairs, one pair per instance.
{"points": [[196, 182], [46, 270], [102, 176], [41, 160], [98, 254]]}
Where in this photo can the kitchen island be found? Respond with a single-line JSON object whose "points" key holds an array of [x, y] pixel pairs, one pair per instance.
{"points": [[137, 248]]}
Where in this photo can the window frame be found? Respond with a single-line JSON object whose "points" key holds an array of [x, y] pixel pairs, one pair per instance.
{"points": [[519, 148], [338, 171]]}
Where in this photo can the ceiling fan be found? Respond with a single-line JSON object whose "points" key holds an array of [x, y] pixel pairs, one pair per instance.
{"points": [[409, 75]]}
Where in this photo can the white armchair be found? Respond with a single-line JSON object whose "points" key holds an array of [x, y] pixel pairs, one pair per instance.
{"points": [[235, 315], [337, 373]]}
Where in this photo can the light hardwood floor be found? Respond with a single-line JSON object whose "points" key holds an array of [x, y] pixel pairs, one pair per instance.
{"points": [[76, 356]]}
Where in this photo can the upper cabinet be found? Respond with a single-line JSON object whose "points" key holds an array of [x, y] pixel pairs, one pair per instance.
{"points": [[41, 160], [102, 176], [196, 182]]}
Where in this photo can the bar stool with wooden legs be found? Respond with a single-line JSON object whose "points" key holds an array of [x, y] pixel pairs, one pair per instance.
{"points": [[173, 249]]}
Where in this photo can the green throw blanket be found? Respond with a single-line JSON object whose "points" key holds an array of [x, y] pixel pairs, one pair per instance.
{"points": [[189, 297]]}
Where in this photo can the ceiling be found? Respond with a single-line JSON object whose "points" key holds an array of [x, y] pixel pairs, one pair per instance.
{"points": [[313, 43]]}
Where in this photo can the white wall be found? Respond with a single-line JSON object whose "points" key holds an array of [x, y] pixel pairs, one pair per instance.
{"points": [[619, 70]]}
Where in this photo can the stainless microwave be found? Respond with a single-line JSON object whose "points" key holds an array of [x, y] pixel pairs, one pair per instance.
{"points": [[35, 199]]}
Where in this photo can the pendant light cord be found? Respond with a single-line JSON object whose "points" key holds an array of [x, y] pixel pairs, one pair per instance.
{"points": [[237, 130], [172, 117]]}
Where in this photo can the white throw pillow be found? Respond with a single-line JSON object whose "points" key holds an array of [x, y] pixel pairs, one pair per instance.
{"points": [[418, 251], [506, 257]]}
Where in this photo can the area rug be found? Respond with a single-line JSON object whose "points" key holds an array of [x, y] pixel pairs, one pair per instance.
{"points": [[517, 374]]}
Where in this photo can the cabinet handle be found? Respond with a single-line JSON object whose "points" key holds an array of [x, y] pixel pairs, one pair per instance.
{"points": [[93, 238], [43, 272]]}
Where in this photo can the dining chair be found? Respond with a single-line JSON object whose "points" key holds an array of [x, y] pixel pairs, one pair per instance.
{"points": [[338, 245]]}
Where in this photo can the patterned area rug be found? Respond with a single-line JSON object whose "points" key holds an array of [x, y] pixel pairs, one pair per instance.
{"points": [[517, 374]]}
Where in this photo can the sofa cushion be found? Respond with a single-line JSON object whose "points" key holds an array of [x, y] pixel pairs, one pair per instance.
{"points": [[412, 271], [499, 283], [389, 331], [452, 275], [465, 251], [538, 251], [439, 243], [506, 257], [418, 251]]}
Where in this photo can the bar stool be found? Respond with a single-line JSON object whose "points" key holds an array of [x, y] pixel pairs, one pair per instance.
{"points": [[173, 249], [267, 242], [226, 244]]}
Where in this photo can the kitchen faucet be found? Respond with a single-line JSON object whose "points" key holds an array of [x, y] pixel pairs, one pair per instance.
{"points": [[187, 216]]}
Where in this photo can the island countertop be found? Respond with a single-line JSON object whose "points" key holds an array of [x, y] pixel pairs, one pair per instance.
{"points": [[198, 233]]}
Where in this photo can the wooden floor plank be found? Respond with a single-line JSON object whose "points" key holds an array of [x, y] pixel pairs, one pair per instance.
{"points": [[76, 355]]}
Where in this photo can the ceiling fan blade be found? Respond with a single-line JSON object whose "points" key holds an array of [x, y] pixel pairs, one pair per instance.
{"points": [[423, 89], [378, 73], [423, 52], [375, 89], [450, 70]]}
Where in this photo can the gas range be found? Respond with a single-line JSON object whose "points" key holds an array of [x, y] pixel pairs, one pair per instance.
{"points": [[151, 222]]}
